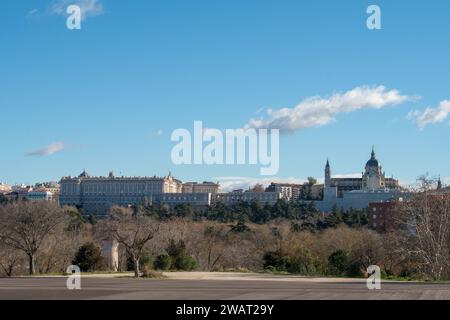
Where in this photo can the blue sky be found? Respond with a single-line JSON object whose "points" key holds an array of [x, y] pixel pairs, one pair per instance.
{"points": [[108, 96]]}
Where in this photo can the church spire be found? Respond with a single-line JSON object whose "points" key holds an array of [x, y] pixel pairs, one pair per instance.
{"points": [[439, 184], [327, 174], [373, 152]]}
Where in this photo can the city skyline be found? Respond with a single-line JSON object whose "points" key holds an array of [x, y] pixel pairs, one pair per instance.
{"points": [[229, 184], [108, 96]]}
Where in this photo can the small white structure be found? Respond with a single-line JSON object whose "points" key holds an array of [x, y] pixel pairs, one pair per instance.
{"points": [[110, 251]]}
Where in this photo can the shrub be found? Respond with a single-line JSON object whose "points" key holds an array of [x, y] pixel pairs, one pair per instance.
{"points": [[184, 262], [354, 269], [338, 262], [163, 262], [302, 262], [275, 260], [148, 273], [88, 257], [146, 260], [181, 260]]}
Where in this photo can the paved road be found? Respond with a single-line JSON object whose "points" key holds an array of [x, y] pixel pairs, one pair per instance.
{"points": [[125, 288]]}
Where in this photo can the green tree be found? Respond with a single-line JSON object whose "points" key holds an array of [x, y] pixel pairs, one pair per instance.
{"points": [[184, 210], [240, 226], [3, 199], [76, 220], [181, 260], [92, 219]]}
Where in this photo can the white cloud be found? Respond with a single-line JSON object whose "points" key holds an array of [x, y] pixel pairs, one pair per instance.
{"points": [[431, 115], [159, 132], [233, 183], [48, 150], [32, 13], [347, 175], [317, 111], [89, 8]]}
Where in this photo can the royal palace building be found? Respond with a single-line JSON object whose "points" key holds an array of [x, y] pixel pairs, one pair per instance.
{"points": [[98, 194]]}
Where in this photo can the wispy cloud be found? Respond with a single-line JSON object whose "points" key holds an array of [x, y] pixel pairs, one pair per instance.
{"points": [[431, 115], [317, 111], [234, 183], [48, 150], [347, 175], [89, 8], [32, 13]]}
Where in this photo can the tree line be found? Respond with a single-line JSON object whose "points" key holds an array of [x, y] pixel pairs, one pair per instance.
{"points": [[288, 237]]}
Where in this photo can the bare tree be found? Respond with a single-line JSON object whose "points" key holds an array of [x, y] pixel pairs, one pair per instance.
{"points": [[257, 188], [25, 226], [10, 259], [130, 229], [423, 226], [214, 237]]}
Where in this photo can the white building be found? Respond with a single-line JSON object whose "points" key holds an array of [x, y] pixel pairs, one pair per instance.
{"points": [[40, 196], [205, 187], [357, 193], [99, 194]]}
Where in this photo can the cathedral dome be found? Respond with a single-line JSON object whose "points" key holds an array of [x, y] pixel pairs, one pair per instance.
{"points": [[373, 162]]}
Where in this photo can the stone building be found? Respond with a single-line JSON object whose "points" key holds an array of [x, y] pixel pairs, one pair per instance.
{"points": [[98, 194], [289, 191], [205, 187], [371, 179], [357, 193]]}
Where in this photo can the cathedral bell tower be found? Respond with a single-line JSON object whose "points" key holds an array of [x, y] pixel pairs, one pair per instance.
{"points": [[327, 174]]}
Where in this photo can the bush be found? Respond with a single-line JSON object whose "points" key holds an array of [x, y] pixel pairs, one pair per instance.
{"points": [[338, 262], [354, 269], [275, 260], [148, 273], [181, 260], [88, 257], [146, 260], [163, 262], [301, 262], [184, 262]]}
